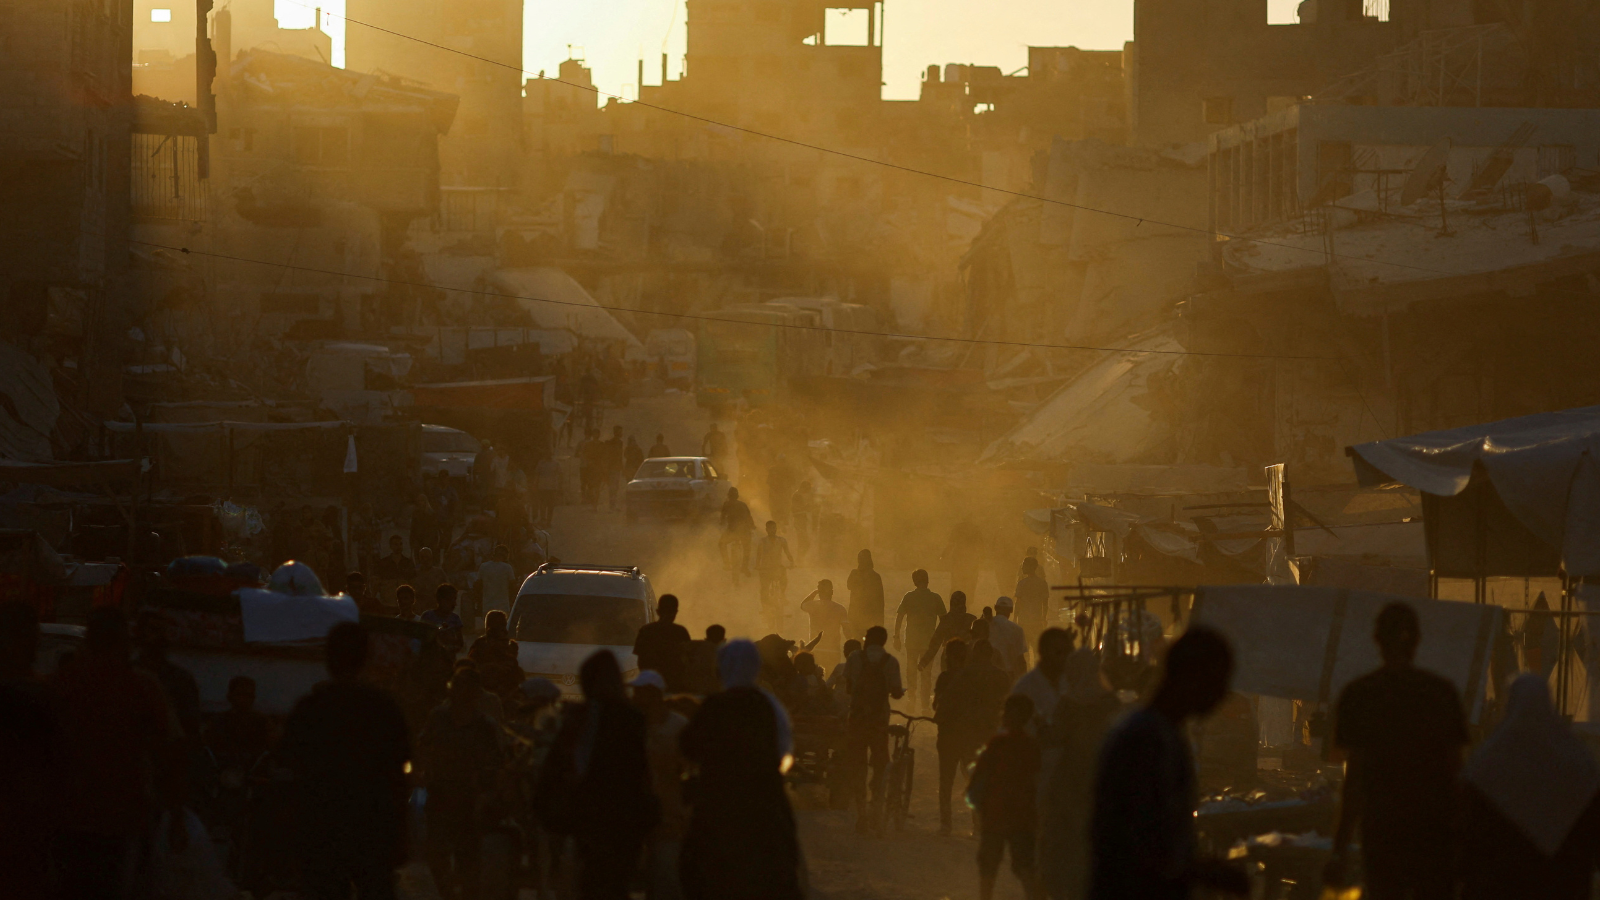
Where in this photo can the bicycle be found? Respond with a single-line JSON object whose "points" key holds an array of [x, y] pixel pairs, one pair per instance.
{"points": [[898, 773]]}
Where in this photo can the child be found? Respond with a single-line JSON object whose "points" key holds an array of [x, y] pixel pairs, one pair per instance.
{"points": [[1002, 792], [405, 598]]}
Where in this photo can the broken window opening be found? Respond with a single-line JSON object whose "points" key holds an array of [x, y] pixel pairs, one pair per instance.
{"points": [[847, 28], [161, 15], [1283, 12], [1376, 9]]}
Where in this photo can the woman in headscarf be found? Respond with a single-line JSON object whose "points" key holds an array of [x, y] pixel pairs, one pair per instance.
{"points": [[595, 784], [741, 842], [1531, 823], [1083, 714], [866, 595]]}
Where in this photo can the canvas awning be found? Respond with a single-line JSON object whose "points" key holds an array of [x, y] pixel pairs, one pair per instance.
{"points": [[505, 393], [556, 301], [1307, 643], [1514, 497]]}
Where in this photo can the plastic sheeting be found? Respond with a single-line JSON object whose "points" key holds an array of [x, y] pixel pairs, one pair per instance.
{"points": [[273, 618], [1545, 469], [1307, 643]]}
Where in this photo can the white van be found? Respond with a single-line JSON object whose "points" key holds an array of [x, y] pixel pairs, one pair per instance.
{"points": [[564, 613]]}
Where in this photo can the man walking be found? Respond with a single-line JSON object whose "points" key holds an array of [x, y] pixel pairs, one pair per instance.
{"points": [[1032, 599], [497, 581], [772, 567], [660, 448], [347, 747], [953, 625], [1404, 731], [828, 619], [1144, 800], [866, 595], [460, 750], [1010, 643], [737, 524], [662, 646], [919, 614], [874, 678], [613, 458]]}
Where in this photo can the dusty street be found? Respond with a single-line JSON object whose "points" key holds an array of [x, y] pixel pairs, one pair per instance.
{"points": [[682, 559]]}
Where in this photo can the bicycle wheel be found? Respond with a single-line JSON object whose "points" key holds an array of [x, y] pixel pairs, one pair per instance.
{"points": [[891, 796], [900, 796]]}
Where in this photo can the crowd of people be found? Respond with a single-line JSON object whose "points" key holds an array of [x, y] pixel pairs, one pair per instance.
{"points": [[673, 781]]}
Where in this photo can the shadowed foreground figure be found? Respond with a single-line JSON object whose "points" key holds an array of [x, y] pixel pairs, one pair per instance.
{"points": [[741, 842], [1404, 730], [596, 786], [1531, 806], [1142, 832], [347, 745]]}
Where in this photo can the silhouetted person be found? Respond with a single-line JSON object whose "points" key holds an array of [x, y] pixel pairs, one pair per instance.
{"points": [[737, 524], [953, 625], [595, 785], [1009, 640], [919, 613], [117, 730], [238, 739], [741, 842], [1145, 793], [700, 661], [714, 445], [443, 617], [659, 448], [1032, 598], [460, 753], [396, 566], [1045, 683], [773, 562], [615, 452], [950, 714], [347, 747], [828, 619], [873, 677], [866, 595], [1003, 793], [1084, 712], [663, 645], [665, 728], [1403, 730], [30, 758]]}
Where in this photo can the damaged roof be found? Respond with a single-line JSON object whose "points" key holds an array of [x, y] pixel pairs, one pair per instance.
{"points": [[296, 81]]}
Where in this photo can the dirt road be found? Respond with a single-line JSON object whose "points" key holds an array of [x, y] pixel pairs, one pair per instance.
{"points": [[917, 864]]}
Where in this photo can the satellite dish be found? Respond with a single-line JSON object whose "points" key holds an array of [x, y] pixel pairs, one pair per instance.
{"points": [[1427, 175]]}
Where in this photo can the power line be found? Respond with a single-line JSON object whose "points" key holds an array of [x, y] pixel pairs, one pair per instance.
{"points": [[707, 318], [844, 154]]}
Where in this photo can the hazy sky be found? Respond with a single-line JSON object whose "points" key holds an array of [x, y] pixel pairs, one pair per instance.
{"points": [[612, 35]]}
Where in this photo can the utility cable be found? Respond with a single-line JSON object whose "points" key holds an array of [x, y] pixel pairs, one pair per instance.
{"points": [[844, 154], [709, 318]]}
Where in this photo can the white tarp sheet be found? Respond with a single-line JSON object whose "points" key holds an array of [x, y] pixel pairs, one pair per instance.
{"points": [[1307, 643], [273, 618], [1545, 467]]}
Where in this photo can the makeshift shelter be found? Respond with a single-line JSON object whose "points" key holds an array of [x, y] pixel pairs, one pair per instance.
{"points": [[1519, 497], [1307, 643]]}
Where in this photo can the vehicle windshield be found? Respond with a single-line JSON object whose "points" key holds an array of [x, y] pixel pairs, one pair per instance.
{"points": [[577, 619], [448, 442], [666, 468]]}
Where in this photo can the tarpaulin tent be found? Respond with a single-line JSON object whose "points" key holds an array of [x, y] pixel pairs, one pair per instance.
{"points": [[1307, 643], [1518, 497]]}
